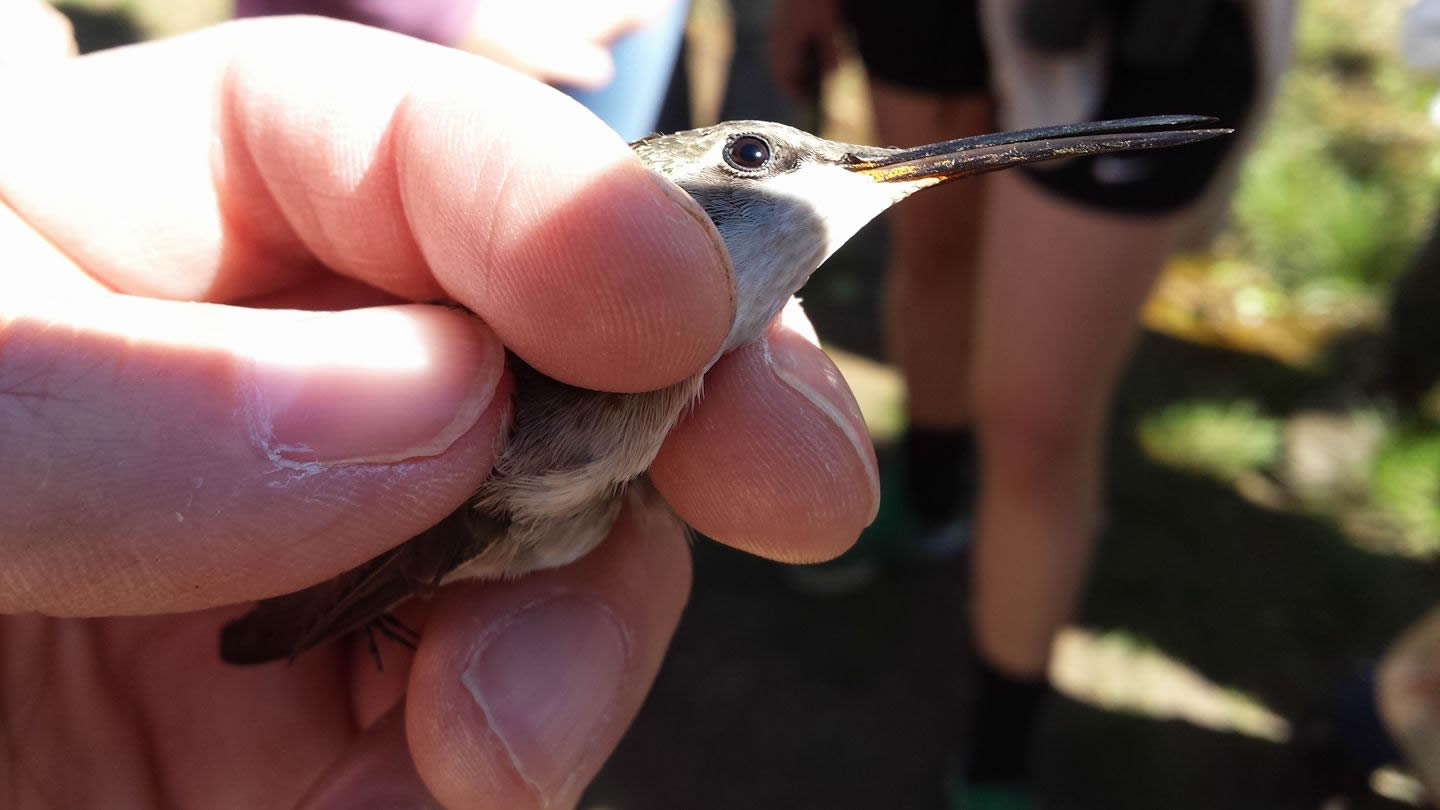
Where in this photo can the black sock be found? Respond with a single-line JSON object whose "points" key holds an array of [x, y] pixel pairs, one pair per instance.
{"points": [[940, 470], [1002, 728]]}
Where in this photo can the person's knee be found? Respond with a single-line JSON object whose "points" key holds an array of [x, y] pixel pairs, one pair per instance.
{"points": [[1034, 440]]}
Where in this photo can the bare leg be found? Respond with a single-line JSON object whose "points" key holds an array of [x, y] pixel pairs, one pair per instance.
{"points": [[930, 278], [1059, 291]]}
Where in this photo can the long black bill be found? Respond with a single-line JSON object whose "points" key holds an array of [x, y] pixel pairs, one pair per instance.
{"points": [[964, 157]]}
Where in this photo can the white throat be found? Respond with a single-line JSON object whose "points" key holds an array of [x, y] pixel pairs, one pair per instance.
{"points": [[797, 222]]}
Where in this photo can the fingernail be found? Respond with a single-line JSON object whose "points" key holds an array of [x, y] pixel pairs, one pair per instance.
{"points": [[375, 385], [790, 350], [546, 679]]}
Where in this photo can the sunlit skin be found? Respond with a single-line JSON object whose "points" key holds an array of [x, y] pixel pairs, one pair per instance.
{"points": [[238, 189]]}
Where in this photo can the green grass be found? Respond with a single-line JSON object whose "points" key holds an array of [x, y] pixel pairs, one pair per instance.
{"points": [[1342, 184], [1334, 200], [1405, 485], [1221, 439]]}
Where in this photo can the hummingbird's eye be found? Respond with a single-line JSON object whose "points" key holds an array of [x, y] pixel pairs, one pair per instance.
{"points": [[747, 153]]}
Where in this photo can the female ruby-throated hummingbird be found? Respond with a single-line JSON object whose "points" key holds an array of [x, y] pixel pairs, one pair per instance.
{"points": [[783, 201]]}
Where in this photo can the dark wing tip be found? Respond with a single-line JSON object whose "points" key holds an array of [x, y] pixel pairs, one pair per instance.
{"points": [[248, 642]]}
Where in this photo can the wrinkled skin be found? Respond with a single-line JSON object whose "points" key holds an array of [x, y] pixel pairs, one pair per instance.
{"points": [[223, 432]]}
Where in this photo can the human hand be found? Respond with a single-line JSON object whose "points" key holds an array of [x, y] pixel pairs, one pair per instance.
{"points": [[175, 443], [32, 30], [796, 28], [558, 41]]}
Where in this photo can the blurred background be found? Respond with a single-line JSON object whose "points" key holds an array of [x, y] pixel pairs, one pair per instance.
{"points": [[1272, 498]]}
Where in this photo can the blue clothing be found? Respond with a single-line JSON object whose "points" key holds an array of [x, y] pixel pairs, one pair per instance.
{"points": [[644, 63]]}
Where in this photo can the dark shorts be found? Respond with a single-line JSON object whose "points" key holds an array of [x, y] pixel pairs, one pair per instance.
{"points": [[940, 48], [935, 46]]}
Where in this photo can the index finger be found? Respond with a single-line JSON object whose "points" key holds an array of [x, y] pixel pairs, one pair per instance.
{"points": [[243, 160]]}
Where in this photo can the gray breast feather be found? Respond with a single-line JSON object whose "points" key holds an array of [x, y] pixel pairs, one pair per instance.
{"points": [[571, 447]]}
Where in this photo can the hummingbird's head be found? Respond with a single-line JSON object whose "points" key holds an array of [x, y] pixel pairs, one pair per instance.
{"points": [[784, 200]]}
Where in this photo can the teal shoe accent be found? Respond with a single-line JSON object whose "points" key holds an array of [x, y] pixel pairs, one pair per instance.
{"points": [[898, 533], [849, 573], [989, 797], [895, 534]]}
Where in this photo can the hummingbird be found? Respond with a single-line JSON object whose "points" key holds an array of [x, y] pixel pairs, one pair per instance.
{"points": [[783, 201]]}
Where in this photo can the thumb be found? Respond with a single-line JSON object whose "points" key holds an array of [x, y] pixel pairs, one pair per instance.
{"points": [[520, 690], [166, 456]]}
